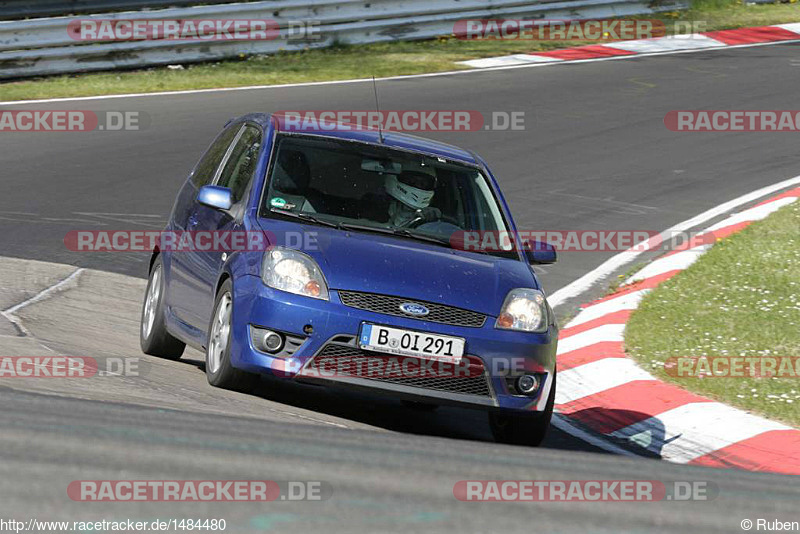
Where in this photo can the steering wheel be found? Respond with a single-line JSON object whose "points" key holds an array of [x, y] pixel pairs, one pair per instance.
{"points": [[420, 219]]}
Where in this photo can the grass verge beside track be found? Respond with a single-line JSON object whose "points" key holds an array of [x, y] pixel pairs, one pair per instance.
{"points": [[348, 62], [741, 298]]}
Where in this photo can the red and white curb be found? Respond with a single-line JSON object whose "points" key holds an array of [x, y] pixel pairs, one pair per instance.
{"points": [[659, 45], [602, 390]]}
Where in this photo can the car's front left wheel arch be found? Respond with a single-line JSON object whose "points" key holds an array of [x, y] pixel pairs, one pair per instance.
{"points": [[154, 337], [219, 370]]}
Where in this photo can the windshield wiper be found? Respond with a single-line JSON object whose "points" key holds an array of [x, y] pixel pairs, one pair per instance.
{"points": [[400, 232], [440, 240], [422, 237], [305, 217], [365, 228]]}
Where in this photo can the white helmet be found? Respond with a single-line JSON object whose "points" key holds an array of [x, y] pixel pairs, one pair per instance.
{"points": [[412, 188]]}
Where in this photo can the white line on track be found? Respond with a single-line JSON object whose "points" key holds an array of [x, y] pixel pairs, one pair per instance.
{"points": [[693, 430], [627, 301], [674, 262], [388, 78], [756, 213], [61, 285], [599, 334], [588, 280], [598, 376], [66, 283], [71, 281], [683, 433]]}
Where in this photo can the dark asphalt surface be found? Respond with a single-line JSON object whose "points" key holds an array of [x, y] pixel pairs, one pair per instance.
{"points": [[594, 155], [378, 482]]}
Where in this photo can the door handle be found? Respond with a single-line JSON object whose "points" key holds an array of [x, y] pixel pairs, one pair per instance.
{"points": [[192, 221]]}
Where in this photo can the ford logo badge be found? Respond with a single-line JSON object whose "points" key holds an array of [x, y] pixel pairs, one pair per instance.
{"points": [[412, 308]]}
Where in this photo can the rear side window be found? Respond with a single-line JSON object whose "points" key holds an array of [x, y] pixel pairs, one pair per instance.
{"points": [[207, 167], [241, 165]]}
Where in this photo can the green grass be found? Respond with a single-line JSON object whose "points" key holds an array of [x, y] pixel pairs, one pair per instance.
{"points": [[347, 62], [616, 284], [742, 298]]}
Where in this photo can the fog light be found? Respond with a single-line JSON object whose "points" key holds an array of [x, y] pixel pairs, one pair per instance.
{"points": [[527, 384], [267, 340], [272, 341]]}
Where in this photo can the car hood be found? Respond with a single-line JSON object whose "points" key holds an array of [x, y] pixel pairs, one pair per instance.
{"points": [[406, 268]]}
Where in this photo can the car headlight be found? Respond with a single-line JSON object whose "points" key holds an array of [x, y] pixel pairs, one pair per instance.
{"points": [[523, 309], [294, 272]]}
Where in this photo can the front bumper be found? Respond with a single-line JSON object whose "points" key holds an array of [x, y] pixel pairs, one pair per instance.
{"points": [[337, 325]]}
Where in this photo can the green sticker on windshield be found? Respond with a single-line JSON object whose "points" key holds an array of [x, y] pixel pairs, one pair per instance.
{"points": [[278, 202]]}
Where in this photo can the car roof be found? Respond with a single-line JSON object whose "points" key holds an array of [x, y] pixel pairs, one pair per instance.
{"points": [[390, 139]]}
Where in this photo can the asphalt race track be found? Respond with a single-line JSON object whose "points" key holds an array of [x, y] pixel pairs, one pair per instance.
{"points": [[595, 154]]}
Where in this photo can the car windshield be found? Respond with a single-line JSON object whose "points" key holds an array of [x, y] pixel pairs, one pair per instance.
{"points": [[368, 188]]}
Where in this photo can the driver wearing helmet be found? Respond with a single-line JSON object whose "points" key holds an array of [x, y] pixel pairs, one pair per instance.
{"points": [[410, 195]]}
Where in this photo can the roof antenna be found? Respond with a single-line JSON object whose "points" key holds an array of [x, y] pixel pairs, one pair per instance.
{"points": [[378, 108]]}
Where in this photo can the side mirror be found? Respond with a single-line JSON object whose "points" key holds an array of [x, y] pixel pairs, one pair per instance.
{"points": [[214, 196], [540, 252]]}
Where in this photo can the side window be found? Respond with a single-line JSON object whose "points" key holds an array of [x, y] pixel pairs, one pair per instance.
{"points": [[488, 213], [241, 164], [207, 167]]}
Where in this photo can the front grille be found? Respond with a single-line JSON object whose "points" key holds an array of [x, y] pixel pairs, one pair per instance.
{"points": [[343, 357], [439, 313]]}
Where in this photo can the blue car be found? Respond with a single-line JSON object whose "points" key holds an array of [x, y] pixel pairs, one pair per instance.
{"points": [[338, 256]]}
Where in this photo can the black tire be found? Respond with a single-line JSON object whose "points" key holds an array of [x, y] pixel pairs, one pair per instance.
{"points": [[524, 430], [223, 374], [155, 340]]}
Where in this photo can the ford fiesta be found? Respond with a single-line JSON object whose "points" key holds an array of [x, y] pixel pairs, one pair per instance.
{"points": [[357, 276]]}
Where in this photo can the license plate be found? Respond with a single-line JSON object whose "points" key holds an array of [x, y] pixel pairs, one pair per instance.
{"points": [[409, 343]]}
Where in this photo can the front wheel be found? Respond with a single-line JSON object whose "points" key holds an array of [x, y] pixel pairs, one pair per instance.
{"points": [[153, 336], [219, 371], [527, 430]]}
